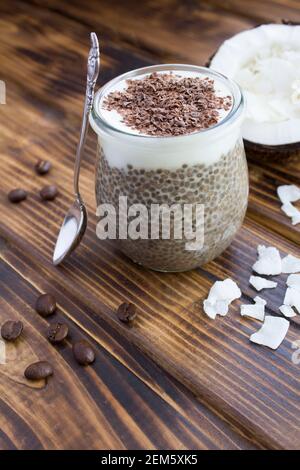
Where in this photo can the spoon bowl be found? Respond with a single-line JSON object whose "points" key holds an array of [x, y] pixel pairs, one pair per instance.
{"points": [[71, 231]]}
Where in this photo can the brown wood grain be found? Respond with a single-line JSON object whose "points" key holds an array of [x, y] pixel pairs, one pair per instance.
{"points": [[123, 401], [253, 389], [169, 30], [262, 11]]}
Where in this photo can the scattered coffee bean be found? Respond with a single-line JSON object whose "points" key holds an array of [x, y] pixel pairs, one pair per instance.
{"points": [[42, 167], [17, 195], [45, 305], [48, 193], [38, 370], [126, 312], [83, 353], [57, 332], [11, 330]]}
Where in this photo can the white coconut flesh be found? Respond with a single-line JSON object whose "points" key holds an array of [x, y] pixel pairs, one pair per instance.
{"points": [[269, 261], [265, 62], [290, 264], [292, 298], [287, 311], [293, 280], [272, 333], [221, 294], [260, 283], [256, 310], [288, 194]]}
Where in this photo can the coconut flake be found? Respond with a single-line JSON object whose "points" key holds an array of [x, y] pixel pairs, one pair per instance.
{"points": [[293, 280], [292, 212], [256, 311], [221, 294], [260, 283], [269, 261], [288, 193], [287, 311], [272, 332], [292, 298], [290, 264], [296, 218]]}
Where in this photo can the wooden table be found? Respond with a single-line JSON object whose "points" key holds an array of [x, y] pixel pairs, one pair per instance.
{"points": [[176, 379]]}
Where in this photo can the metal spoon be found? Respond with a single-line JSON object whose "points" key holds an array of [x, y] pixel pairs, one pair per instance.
{"points": [[75, 222]]}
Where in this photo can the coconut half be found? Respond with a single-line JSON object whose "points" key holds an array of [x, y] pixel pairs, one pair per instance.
{"points": [[265, 62]]}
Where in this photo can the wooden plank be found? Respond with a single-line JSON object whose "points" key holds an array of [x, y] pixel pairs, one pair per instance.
{"points": [[170, 30], [266, 11], [104, 406], [255, 389], [112, 279]]}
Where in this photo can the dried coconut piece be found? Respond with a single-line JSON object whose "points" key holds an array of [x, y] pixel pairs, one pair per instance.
{"points": [[260, 283], [296, 219], [272, 332], [292, 212], [221, 294], [287, 311], [256, 311], [291, 264], [293, 280], [269, 261], [292, 298], [288, 193]]}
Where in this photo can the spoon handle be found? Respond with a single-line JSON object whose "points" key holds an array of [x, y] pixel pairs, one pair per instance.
{"points": [[93, 66]]}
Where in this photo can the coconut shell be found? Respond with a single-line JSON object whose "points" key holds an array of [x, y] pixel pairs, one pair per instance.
{"points": [[260, 152]]}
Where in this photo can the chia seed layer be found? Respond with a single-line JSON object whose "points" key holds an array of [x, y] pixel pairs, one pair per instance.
{"points": [[222, 187]]}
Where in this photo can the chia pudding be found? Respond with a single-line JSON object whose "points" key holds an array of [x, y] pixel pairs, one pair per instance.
{"points": [[170, 134]]}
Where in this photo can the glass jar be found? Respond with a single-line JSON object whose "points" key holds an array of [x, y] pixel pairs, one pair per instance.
{"points": [[206, 169]]}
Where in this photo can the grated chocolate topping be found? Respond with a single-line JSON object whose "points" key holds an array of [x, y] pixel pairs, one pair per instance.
{"points": [[167, 104]]}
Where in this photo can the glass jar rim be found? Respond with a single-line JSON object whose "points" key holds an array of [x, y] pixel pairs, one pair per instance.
{"points": [[235, 90]]}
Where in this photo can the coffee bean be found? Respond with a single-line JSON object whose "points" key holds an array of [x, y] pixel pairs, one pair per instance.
{"points": [[17, 195], [57, 332], [42, 167], [11, 330], [38, 370], [48, 193], [45, 305], [83, 353], [126, 312]]}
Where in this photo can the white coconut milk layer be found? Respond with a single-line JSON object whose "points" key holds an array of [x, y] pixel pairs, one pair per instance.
{"points": [[125, 146]]}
